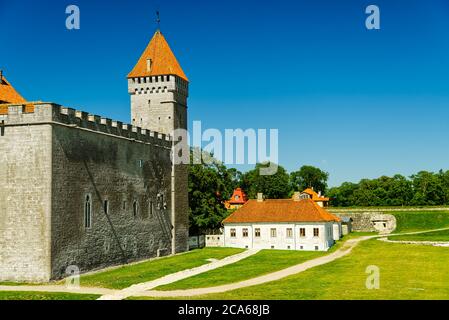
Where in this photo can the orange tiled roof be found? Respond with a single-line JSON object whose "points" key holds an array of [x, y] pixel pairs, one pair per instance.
{"points": [[8, 94], [281, 211], [163, 61], [241, 197], [314, 195]]}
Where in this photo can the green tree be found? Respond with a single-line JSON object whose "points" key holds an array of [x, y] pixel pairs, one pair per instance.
{"points": [[210, 185], [275, 186], [309, 176]]}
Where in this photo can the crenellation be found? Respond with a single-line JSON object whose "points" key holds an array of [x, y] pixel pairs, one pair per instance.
{"points": [[50, 112]]}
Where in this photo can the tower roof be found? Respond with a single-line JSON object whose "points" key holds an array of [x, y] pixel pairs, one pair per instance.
{"points": [[157, 59], [7, 92]]}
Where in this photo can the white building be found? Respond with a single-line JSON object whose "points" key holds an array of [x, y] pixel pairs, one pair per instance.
{"points": [[292, 224]]}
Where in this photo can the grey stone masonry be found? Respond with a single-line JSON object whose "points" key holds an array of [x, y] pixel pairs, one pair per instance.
{"points": [[85, 191]]}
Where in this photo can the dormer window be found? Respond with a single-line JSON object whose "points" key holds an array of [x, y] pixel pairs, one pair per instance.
{"points": [[149, 64]]}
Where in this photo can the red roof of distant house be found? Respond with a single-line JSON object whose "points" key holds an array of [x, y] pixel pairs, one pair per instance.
{"points": [[281, 211], [238, 197], [315, 196]]}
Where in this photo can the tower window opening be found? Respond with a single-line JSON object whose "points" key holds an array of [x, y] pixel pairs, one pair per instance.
{"points": [[149, 65], [88, 213], [135, 208], [106, 206]]}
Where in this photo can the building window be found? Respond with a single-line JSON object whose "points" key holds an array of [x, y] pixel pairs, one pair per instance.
{"points": [[302, 232], [233, 233], [106, 206], [135, 208], [316, 232], [317, 248], [289, 233], [273, 233], [88, 213], [257, 233], [245, 233]]}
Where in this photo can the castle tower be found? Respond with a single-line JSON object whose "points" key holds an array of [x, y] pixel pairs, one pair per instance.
{"points": [[159, 89]]}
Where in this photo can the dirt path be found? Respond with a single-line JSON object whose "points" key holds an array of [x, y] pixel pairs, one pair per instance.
{"points": [[58, 289], [142, 289], [345, 250]]}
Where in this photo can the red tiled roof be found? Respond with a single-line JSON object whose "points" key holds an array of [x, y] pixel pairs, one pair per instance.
{"points": [[163, 61], [8, 94], [314, 195], [281, 211], [241, 197]]}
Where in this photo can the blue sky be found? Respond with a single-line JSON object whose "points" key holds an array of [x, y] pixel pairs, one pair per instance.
{"points": [[353, 102]]}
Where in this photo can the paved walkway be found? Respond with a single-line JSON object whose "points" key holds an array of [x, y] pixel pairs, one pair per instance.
{"points": [[143, 287]]}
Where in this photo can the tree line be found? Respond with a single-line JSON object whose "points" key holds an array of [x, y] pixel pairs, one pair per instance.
{"points": [[421, 189], [212, 183]]}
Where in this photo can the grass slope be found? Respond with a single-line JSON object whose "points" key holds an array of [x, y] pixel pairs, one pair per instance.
{"points": [[406, 272], [409, 221], [126, 276], [430, 236], [12, 295]]}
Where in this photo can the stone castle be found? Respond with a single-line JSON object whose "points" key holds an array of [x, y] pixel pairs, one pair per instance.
{"points": [[83, 191]]}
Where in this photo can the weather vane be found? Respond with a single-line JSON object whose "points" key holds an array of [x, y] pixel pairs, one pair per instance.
{"points": [[158, 20]]}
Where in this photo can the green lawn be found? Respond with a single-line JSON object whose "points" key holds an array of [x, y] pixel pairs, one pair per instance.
{"points": [[409, 221], [264, 262], [430, 236], [406, 272], [12, 295], [126, 276]]}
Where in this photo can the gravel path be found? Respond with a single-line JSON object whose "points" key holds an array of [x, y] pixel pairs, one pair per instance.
{"points": [[144, 289]]}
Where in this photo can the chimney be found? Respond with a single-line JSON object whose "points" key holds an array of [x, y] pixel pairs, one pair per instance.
{"points": [[319, 194], [260, 197], [296, 196]]}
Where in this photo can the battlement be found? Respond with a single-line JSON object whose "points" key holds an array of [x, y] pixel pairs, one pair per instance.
{"points": [[50, 113], [158, 84]]}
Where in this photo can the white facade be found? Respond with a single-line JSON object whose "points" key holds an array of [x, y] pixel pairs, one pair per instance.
{"points": [[282, 236]]}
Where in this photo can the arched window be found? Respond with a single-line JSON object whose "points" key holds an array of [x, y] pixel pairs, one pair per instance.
{"points": [[88, 212], [135, 208]]}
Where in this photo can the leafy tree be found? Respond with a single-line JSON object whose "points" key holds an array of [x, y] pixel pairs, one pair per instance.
{"points": [[209, 186], [309, 176], [275, 186]]}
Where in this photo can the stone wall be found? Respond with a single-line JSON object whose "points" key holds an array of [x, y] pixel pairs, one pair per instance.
{"points": [[25, 191], [367, 221], [53, 159]]}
